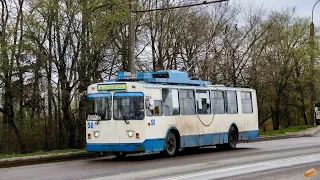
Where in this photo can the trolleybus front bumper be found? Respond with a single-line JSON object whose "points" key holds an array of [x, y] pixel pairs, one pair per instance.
{"points": [[149, 145]]}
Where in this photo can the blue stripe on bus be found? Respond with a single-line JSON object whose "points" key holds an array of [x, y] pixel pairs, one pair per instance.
{"points": [[149, 145], [155, 145], [128, 94], [99, 95]]}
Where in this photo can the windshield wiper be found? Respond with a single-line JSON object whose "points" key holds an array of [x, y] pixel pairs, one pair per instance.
{"points": [[99, 119], [124, 117]]}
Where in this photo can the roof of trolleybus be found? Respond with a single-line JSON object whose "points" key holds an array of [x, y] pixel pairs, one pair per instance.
{"points": [[145, 79], [140, 84]]}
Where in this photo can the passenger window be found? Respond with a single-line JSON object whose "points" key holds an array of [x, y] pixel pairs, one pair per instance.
{"points": [[155, 109], [170, 101], [231, 105], [217, 100], [186, 99], [203, 102], [246, 102]]}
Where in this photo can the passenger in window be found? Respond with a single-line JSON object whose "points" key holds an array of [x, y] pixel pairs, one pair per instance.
{"points": [[156, 111], [149, 111]]}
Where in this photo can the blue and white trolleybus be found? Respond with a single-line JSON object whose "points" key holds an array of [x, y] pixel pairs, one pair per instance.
{"points": [[165, 111]]}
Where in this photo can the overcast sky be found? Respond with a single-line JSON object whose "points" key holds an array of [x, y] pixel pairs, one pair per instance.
{"points": [[303, 7]]}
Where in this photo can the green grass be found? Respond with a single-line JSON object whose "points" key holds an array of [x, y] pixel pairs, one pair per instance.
{"points": [[286, 130], [2, 156]]}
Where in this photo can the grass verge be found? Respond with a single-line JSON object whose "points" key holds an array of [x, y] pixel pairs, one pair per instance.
{"points": [[286, 130], [2, 156]]}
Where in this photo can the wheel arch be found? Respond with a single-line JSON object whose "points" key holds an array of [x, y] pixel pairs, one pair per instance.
{"points": [[176, 132]]}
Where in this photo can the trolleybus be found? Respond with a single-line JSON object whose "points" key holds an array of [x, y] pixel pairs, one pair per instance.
{"points": [[165, 111]]}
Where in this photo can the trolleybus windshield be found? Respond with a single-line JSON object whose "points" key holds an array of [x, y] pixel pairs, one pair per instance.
{"points": [[128, 106], [100, 104]]}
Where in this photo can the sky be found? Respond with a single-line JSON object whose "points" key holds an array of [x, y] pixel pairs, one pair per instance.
{"points": [[303, 7]]}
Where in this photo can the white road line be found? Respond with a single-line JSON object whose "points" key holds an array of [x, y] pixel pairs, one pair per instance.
{"points": [[250, 168]]}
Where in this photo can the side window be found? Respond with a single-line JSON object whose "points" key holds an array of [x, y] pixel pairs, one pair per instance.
{"points": [[170, 101], [203, 102], [231, 104], [246, 102], [186, 99], [217, 100], [155, 109]]}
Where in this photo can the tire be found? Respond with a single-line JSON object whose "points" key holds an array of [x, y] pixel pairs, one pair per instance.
{"points": [[171, 146], [120, 154], [232, 140]]}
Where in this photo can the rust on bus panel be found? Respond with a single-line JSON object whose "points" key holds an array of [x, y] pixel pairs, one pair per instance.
{"points": [[139, 148]]}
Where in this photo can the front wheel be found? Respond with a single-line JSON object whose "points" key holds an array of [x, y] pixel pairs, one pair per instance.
{"points": [[120, 154], [171, 146]]}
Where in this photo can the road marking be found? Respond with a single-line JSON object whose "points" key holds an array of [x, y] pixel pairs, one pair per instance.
{"points": [[250, 168]]}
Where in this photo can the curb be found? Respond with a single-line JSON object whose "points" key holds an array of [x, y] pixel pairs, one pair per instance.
{"points": [[29, 160], [289, 135], [313, 132], [276, 137]]}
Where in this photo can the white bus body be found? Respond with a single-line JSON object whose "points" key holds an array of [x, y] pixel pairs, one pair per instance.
{"points": [[150, 132]]}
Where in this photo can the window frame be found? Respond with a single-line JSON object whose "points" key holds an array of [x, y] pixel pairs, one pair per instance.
{"points": [[160, 110], [194, 101], [227, 102], [251, 105], [163, 102], [128, 94], [212, 101], [109, 97]]}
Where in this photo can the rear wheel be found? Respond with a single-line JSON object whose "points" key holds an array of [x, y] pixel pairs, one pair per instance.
{"points": [[120, 154], [232, 140], [171, 146]]}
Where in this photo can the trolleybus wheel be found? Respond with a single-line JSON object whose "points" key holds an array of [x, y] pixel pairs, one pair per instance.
{"points": [[232, 140], [120, 154], [171, 147]]}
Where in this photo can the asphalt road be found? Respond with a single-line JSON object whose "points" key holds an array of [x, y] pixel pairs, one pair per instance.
{"points": [[277, 159]]}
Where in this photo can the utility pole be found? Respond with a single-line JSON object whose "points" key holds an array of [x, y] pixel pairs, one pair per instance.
{"points": [[312, 69], [132, 27], [131, 39]]}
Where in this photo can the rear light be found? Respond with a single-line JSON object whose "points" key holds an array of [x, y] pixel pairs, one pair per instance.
{"points": [[137, 135], [89, 136]]}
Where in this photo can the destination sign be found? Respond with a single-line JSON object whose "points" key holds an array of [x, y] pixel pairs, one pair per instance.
{"points": [[109, 87]]}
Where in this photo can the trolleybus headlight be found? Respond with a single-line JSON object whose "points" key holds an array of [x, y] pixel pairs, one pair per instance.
{"points": [[96, 134], [130, 133]]}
